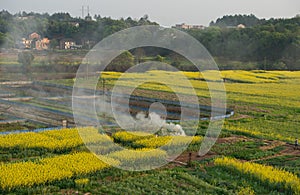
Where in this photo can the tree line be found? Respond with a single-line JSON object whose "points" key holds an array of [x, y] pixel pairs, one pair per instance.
{"points": [[60, 26], [272, 44]]}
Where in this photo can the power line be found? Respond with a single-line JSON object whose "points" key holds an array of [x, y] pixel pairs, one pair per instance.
{"points": [[83, 8]]}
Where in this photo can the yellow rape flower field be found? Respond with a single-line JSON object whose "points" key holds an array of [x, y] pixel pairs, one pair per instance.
{"points": [[29, 173], [263, 173], [255, 152], [14, 175]]}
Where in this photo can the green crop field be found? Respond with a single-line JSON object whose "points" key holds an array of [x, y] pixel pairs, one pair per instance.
{"points": [[253, 155]]}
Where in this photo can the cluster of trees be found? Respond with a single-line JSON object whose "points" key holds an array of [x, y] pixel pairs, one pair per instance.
{"points": [[263, 44], [271, 44], [61, 26], [232, 21]]}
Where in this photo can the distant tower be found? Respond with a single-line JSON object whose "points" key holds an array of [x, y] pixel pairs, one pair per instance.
{"points": [[87, 17]]}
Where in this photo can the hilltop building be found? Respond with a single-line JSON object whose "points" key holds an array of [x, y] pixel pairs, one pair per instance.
{"points": [[189, 26], [241, 26]]}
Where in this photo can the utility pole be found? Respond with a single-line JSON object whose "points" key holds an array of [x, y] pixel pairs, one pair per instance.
{"points": [[103, 85], [265, 63], [82, 10]]}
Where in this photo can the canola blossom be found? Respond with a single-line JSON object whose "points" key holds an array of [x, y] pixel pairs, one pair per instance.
{"points": [[263, 172], [140, 158], [146, 140], [258, 133], [257, 86], [26, 174], [124, 136], [82, 181], [167, 141], [255, 76], [61, 139], [53, 139]]}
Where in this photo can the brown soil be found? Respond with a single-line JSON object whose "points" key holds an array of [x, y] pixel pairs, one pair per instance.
{"points": [[232, 139], [271, 144], [243, 108], [184, 157], [289, 150], [240, 116]]}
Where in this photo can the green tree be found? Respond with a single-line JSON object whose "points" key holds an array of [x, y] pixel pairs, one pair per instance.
{"points": [[139, 53], [159, 58], [122, 63], [26, 58], [2, 39], [54, 43]]}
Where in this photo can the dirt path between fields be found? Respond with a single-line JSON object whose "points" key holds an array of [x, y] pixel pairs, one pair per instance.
{"points": [[289, 150], [184, 158]]}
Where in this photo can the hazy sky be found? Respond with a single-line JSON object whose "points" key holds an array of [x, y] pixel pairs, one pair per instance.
{"points": [[165, 12]]}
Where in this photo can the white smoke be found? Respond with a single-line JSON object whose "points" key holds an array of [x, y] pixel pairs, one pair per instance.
{"points": [[155, 124]]}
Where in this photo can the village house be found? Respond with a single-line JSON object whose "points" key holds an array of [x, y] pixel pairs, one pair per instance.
{"points": [[26, 44], [35, 41], [75, 24], [34, 35], [241, 26], [189, 26], [42, 44], [68, 44]]}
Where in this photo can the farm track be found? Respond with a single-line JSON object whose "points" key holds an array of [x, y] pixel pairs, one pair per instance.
{"points": [[287, 151], [184, 157]]}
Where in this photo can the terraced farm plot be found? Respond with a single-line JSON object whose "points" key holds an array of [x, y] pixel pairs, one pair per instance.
{"points": [[259, 136]]}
